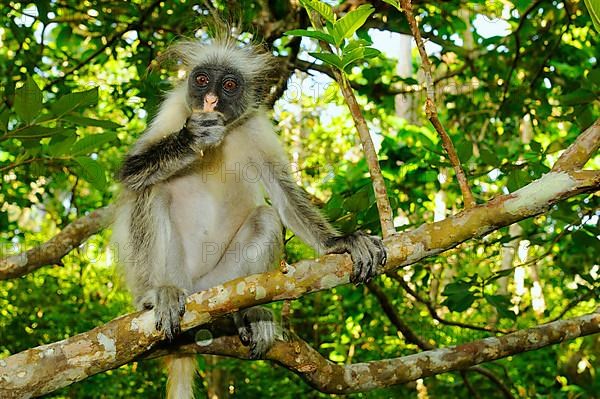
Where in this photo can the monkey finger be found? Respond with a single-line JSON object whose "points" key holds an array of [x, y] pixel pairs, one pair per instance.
{"points": [[383, 252], [182, 304], [367, 268], [356, 272]]}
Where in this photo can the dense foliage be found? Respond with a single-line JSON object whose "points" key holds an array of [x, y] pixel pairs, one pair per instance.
{"points": [[516, 81]]}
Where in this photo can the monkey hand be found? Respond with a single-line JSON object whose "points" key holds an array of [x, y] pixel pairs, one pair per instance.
{"points": [[168, 303], [367, 252], [207, 128]]}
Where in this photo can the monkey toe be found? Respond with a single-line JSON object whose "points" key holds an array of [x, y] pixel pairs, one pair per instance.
{"points": [[257, 330], [368, 254], [245, 335], [169, 307]]}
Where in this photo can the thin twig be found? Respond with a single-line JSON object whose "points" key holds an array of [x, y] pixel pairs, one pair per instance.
{"points": [[381, 197], [132, 25], [494, 379], [431, 109], [433, 311], [395, 318], [515, 61], [590, 294], [469, 386]]}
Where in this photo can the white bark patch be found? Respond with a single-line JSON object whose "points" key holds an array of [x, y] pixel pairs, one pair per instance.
{"points": [[108, 344], [19, 260], [260, 292], [539, 193], [144, 323], [239, 289], [417, 253], [45, 353], [221, 296], [332, 280], [194, 318]]}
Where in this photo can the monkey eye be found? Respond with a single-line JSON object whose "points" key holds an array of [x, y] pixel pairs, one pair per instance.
{"points": [[230, 84], [202, 79]]}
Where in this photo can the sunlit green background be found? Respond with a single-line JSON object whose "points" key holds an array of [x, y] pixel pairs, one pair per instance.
{"points": [[507, 114]]}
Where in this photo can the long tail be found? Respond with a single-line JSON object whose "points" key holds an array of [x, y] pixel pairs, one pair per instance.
{"points": [[182, 373]]}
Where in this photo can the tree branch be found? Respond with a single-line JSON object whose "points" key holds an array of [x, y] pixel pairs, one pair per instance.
{"points": [[382, 201], [43, 369], [431, 109], [109, 42], [326, 376], [410, 336], [52, 251], [581, 150]]}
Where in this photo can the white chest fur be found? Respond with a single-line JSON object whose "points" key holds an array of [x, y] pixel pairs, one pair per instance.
{"points": [[208, 206]]}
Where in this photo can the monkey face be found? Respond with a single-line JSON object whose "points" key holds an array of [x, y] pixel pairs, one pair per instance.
{"points": [[217, 88]]}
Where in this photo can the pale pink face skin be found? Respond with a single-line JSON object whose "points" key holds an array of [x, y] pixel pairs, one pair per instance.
{"points": [[210, 102]]}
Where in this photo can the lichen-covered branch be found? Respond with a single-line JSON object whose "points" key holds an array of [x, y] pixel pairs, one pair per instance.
{"points": [[431, 109], [46, 368], [412, 337], [581, 150], [326, 376], [53, 250]]}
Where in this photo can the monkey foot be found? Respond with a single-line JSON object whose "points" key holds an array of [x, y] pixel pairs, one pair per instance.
{"points": [[257, 330]]}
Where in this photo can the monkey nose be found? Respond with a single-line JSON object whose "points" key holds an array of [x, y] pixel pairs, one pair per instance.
{"points": [[210, 102]]}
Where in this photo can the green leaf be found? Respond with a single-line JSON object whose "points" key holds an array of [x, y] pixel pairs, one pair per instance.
{"points": [[371, 52], [517, 178], [43, 7], [28, 100], [593, 7], [92, 171], [459, 297], [594, 77], [353, 44], [93, 142], [312, 34], [502, 305], [352, 56], [329, 59], [464, 149], [83, 121], [64, 36], [321, 8], [579, 96], [61, 144], [456, 288], [502, 273], [36, 132], [535, 146], [489, 157], [71, 101], [346, 26], [394, 3]]}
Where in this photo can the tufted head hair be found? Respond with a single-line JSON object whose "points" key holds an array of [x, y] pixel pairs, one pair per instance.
{"points": [[254, 63]]}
